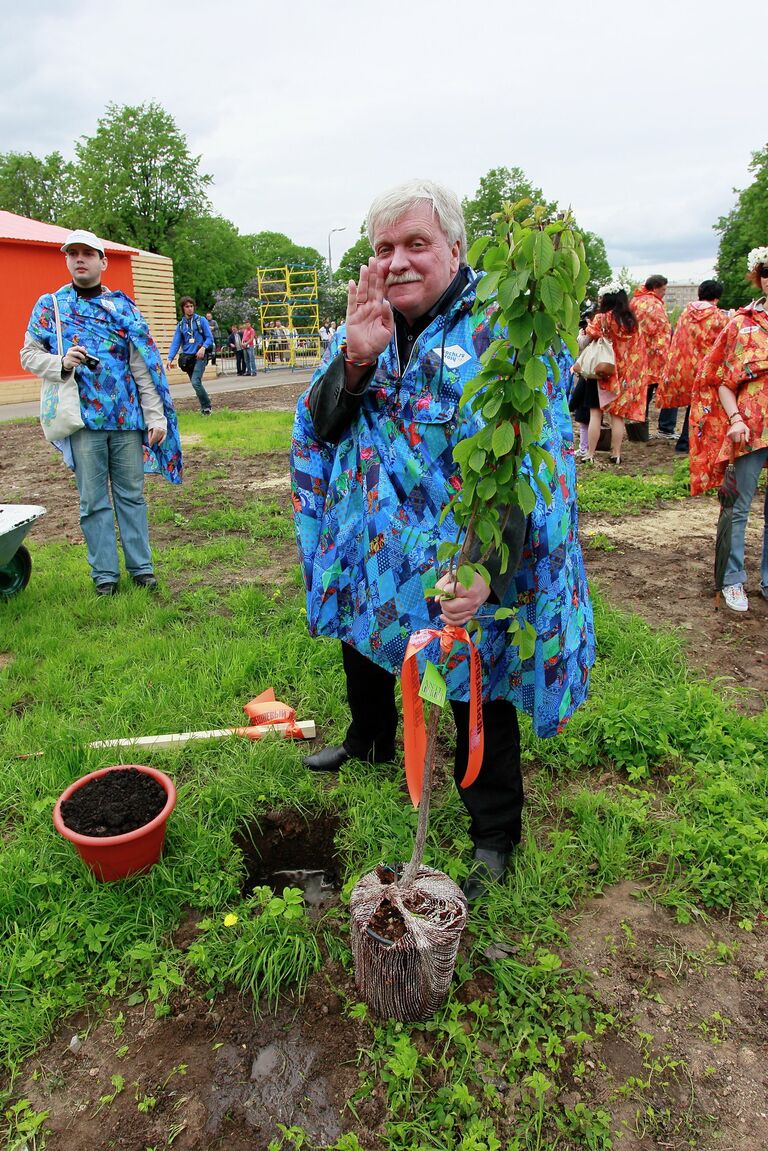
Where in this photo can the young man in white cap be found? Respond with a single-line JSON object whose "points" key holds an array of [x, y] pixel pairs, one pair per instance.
{"points": [[126, 408]]}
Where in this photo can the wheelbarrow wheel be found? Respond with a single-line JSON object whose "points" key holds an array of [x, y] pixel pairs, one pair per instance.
{"points": [[14, 576]]}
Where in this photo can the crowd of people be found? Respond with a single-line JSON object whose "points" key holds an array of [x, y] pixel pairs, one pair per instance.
{"points": [[715, 365], [276, 345]]}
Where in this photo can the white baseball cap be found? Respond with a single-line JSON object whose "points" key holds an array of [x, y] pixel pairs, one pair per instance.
{"points": [[83, 237]]}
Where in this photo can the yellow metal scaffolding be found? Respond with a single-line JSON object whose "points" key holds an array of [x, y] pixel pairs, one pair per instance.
{"points": [[290, 316]]}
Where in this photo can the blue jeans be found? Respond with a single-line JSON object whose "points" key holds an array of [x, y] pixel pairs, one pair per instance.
{"points": [[250, 362], [196, 380], [115, 460], [748, 468]]}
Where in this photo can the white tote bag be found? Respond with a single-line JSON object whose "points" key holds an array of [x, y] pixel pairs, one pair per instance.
{"points": [[60, 399]]}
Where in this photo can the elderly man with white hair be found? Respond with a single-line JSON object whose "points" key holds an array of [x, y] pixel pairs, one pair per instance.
{"points": [[372, 471]]}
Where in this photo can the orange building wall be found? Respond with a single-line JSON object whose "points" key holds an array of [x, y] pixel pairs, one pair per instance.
{"points": [[27, 271]]}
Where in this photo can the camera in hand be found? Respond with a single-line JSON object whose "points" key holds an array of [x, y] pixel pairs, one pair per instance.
{"points": [[92, 362]]}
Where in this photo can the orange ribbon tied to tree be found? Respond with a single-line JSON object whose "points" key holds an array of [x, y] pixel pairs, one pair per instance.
{"points": [[433, 689]]}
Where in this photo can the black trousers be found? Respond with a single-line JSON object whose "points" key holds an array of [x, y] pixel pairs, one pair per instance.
{"points": [[495, 800]]}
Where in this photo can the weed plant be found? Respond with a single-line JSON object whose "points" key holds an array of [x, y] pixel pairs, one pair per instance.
{"points": [[630, 495]]}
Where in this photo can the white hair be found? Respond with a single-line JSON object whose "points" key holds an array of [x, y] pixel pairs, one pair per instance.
{"points": [[390, 206]]}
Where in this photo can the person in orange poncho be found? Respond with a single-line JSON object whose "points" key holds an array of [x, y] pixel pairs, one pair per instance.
{"points": [[656, 330], [700, 323], [622, 394], [729, 420]]}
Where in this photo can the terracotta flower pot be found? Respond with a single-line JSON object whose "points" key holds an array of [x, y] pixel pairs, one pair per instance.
{"points": [[117, 856]]}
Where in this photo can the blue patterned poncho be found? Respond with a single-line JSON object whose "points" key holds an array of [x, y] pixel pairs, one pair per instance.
{"points": [[109, 397], [367, 518]]}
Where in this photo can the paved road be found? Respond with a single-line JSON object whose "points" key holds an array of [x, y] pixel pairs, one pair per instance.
{"points": [[274, 378]]}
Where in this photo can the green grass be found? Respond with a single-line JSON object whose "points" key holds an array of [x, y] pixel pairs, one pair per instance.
{"points": [[685, 809], [601, 491], [242, 433]]}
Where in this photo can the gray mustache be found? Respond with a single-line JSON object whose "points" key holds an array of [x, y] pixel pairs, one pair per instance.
{"points": [[406, 278]]}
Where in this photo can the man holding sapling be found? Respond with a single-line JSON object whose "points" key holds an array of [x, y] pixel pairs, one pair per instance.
{"points": [[372, 471]]}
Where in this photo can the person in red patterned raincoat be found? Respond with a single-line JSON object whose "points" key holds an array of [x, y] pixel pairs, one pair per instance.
{"points": [[656, 330], [622, 394], [729, 420], [700, 323]]}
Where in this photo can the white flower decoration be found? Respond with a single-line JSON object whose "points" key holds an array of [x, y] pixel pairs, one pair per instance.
{"points": [[757, 257], [613, 286]]}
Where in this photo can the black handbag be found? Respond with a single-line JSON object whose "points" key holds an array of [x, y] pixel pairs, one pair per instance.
{"points": [[187, 362]]}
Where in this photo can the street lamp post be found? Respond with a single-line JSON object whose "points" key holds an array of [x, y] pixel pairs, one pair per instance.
{"points": [[330, 269]]}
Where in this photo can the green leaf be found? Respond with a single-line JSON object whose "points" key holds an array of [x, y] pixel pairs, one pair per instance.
{"points": [[477, 460], [488, 285], [544, 327], [491, 405], [551, 294], [527, 641], [466, 575], [535, 374], [486, 489], [519, 330], [447, 549], [543, 254], [543, 487], [525, 497], [472, 387], [503, 439], [477, 249]]}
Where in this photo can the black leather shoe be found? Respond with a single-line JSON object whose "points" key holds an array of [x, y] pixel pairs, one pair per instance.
{"points": [[147, 581], [487, 867], [329, 759], [106, 588]]}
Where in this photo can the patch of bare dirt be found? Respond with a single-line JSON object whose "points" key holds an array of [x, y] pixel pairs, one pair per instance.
{"points": [[686, 1058], [205, 1078]]}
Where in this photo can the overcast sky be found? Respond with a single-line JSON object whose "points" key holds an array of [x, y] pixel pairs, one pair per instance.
{"points": [[642, 116]]}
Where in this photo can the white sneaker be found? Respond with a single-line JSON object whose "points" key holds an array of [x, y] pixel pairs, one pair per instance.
{"points": [[735, 597]]}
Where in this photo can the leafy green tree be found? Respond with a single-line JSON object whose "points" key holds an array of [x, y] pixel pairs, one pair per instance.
{"points": [[136, 180], [275, 250], [745, 227], [496, 187], [596, 259], [349, 264], [511, 185], [208, 254], [38, 188]]}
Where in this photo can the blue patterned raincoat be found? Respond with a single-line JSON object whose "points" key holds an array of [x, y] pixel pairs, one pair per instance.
{"points": [[109, 397], [367, 517]]}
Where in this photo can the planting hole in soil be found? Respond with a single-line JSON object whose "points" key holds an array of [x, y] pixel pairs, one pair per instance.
{"points": [[282, 849], [114, 804]]}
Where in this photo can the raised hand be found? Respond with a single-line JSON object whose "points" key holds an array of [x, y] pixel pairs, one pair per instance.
{"points": [[369, 323]]}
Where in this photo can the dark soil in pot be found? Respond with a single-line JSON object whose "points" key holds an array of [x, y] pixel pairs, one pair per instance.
{"points": [[116, 803]]}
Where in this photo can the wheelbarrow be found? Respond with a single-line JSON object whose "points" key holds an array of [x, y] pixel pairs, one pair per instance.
{"points": [[15, 560]]}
